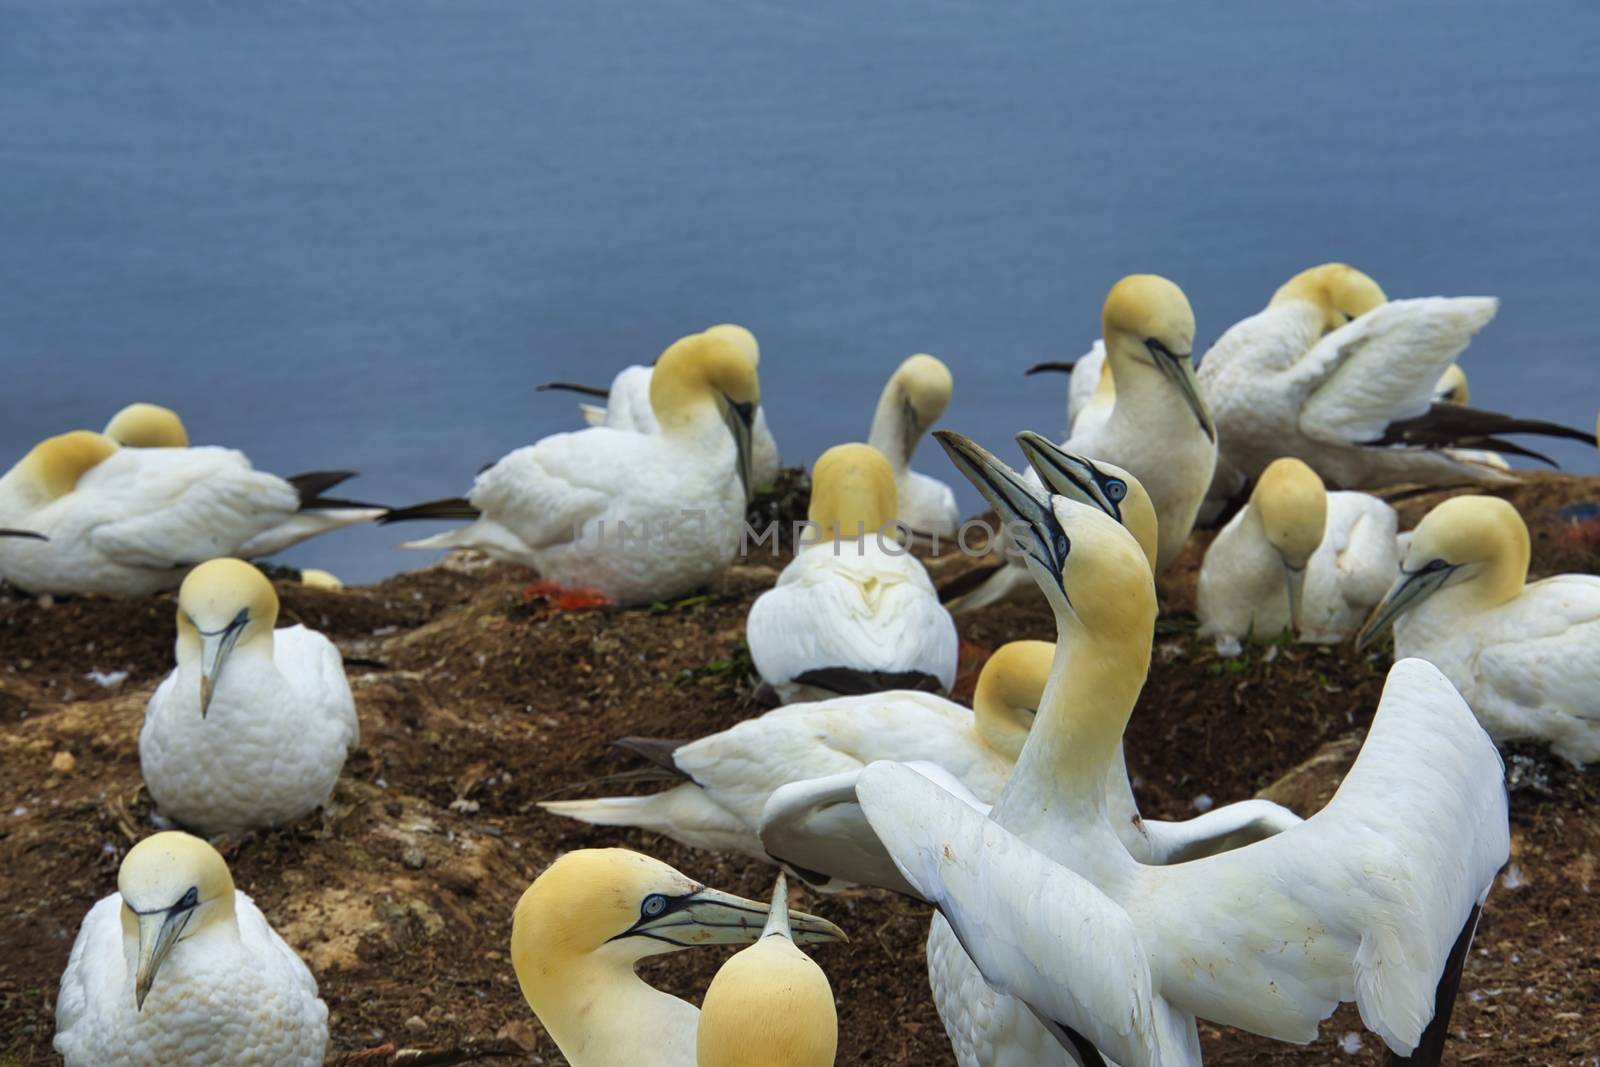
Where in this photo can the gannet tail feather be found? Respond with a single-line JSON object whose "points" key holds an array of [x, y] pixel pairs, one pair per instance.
{"points": [[454, 507], [312, 484], [571, 387], [683, 813]]}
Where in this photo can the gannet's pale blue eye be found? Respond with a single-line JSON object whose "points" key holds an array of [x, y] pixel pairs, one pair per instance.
{"points": [[654, 905], [1116, 489]]}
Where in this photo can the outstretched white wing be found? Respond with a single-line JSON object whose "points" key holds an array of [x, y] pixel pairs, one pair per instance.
{"points": [[1037, 931], [1384, 366]]}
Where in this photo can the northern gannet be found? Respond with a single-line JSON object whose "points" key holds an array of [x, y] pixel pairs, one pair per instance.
{"points": [[1333, 374], [144, 425], [317, 578], [729, 776], [1522, 653], [131, 521], [770, 1004], [586, 922], [1373, 899], [627, 406], [252, 727], [179, 969], [1158, 428], [1452, 388], [911, 402], [854, 611], [638, 517]]}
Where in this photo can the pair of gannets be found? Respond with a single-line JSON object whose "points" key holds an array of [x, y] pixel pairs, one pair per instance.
{"points": [[854, 612], [1298, 558], [130, 521], [1373, 899], [1524, 654], [1335, 374], [583, 926], [252, 727], [179, 969], [1158, 427], [627, 406], [637, 516]]}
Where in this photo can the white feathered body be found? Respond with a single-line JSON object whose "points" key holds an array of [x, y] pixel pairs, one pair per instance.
{"points": [[927, 505], [232, 993], [138, 520], [628, 407], [859, 603], [641, 517], [1277, 387], [1528, 668], [1091, 393], [270, 747]]}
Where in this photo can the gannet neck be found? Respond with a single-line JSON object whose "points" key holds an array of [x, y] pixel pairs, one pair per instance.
{"points": [[1008, 693], [911, 402], [595, 1003], [147, 426], [1338, 291], [852, 492], [53, 467]]}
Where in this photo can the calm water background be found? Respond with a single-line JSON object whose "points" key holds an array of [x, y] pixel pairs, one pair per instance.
{"points": [[358, 233]]}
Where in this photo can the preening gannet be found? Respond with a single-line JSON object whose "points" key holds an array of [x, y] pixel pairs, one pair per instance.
{"points": [[179, 969], [639, 517], [1525, 655], [1451, 388], [911, 402], [1332, 374], [854, 612], [1373, 899], [627, 406], [770, 1004], [729, 776], [252, 727], [131, 521], [147, 426], [1158, 428], [1252, 578], [584, 924]]}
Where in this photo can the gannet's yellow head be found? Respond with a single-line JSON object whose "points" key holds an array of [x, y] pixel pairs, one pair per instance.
{"points": [[1338, 290], [1292, 504], [1475, 544], [770, 1004], [320, 579], [173, 886], [223, 605], [708, 375], [741, 338], [1097, 483], [1452, 386], [924, 385], [852, 493], [1007, 696], [53, 466], [1147, 321], [147, 426]]}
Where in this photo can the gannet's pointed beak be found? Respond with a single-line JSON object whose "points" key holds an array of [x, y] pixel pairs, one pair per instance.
{"points": [[1180, 371], [1295, 581], [158, 932], [712, 917], [778, 917], [740, 418], [214, 650], [1408, 590], [1023, 508], [1074, 477]]}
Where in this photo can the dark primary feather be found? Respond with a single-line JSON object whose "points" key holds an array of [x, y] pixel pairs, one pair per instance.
{"points": [[657, 750], [453, 507], [1430, 1050], [313, 484], [570, 387], [850, 682], [1447, 425], [24, 533], [1052, 365]]}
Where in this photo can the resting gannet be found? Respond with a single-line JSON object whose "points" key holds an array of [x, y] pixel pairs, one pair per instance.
{"points": [[179, 969], [320, 579], [586, 922], [147, 426], [770, 1004], [1524, 654], [1332, 374], [627, 406], [1373, 899], [854, 612], [911, 402], [253, 726], [131, 521], [1158, 428], [638, 517]]}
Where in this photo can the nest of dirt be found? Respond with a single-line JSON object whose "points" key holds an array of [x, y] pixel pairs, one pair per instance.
{"points": [[476, 702]]}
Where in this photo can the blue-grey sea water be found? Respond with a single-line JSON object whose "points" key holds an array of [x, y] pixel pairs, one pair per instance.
{"points": [[357, 233]]}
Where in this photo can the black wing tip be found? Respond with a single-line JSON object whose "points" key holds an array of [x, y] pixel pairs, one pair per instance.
{"points": [[25, 534], [449, 508], [573, 387], [851, 681], [1052, 366], [658, 750]]}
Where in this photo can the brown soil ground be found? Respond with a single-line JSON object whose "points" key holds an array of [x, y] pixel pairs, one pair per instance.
{"points": [[475, 704]]}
